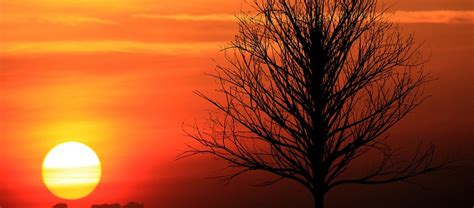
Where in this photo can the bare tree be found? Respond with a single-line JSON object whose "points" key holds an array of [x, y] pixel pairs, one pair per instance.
{"points": [[310, 87]]}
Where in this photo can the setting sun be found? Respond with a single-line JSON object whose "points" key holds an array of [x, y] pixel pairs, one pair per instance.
{"points": [[71, 170]]}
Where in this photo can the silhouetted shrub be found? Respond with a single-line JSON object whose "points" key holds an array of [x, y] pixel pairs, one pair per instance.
{"points": [[60, 205], [116, 205], [134, 205]]}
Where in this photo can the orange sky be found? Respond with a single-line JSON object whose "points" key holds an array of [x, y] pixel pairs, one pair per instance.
{"points": [[118, 75]]}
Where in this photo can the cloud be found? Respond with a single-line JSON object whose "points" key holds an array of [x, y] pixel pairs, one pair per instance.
{"points": [[74, 20], [436, 17], [51, 18], [188, 17], [42, 47]]}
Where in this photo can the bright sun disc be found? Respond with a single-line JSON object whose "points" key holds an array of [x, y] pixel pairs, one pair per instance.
{"points": [[71, 170]]}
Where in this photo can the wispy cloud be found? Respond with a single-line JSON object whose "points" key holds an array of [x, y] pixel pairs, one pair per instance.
{"points": [[436, 17], [15, 48], [188, 17], [74, 20], [51, 18]]}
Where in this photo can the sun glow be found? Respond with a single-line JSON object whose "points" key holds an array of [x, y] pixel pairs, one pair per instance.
{"points": [[71, 170]]}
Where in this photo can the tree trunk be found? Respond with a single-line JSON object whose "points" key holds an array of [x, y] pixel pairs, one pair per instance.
{"points": [[318, 198]]}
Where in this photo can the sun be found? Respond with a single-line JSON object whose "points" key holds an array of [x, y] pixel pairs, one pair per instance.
{"points": [[71, 170]]}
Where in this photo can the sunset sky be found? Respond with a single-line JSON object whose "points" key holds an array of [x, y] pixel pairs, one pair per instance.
{"points": [[119, 75]]}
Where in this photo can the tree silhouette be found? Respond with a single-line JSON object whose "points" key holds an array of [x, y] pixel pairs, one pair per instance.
{"points": [[309, 88]]}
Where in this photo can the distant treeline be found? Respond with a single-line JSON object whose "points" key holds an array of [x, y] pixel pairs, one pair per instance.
{"points": [[116, 205]]}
